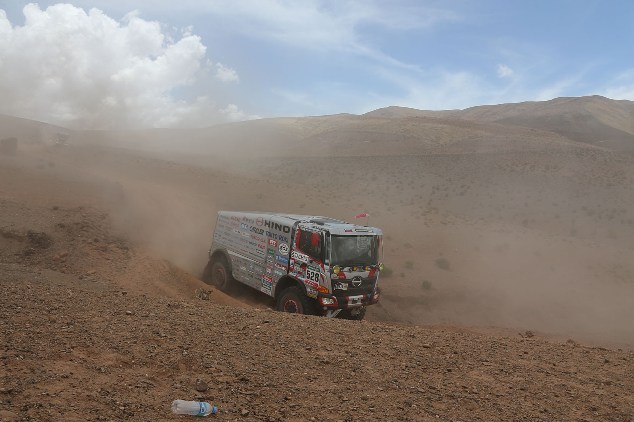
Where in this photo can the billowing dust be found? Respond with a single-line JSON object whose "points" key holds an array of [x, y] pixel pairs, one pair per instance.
{"points": [[528, 241]]}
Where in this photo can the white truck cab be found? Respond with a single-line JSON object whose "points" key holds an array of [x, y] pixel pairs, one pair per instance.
{"points": [[309, 264]]}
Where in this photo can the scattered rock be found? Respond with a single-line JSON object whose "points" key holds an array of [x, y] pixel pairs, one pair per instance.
{"points": [[39, 240], [203, 294], [201, 386]]}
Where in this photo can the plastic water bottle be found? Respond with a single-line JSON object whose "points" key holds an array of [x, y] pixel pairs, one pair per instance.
{"points": [[194, 408]]}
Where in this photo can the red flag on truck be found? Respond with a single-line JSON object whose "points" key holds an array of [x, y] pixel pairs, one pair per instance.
{"points": [[362, 215]]}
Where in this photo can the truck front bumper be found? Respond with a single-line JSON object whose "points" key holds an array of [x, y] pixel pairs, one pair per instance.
{"points": [[328, 301]]}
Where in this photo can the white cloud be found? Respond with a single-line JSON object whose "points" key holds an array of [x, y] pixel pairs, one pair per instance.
{"points": [[226, 74], [234, 114], [84, 69], [504, 71], [294, 97], [622, 87], [323, 26]]}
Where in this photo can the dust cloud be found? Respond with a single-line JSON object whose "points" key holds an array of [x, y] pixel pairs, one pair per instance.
{"points": [[483, 242], [528, 241], [536, 239]]}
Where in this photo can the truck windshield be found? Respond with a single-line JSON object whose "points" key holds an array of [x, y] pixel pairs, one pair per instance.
{"points": [[354, 250]]}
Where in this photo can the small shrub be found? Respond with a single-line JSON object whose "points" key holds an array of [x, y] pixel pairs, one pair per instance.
{"points": [[409, 265], [426, 285]]}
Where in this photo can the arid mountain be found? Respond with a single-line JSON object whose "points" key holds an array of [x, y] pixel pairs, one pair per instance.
{"points": [[29, 130], [595, 120], [559, 123], [551, 125]]}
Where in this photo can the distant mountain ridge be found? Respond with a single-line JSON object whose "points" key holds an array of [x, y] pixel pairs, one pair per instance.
{"points": [[575, 122], [594, 119]]}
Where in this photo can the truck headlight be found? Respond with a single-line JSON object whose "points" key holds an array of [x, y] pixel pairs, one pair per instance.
{"points": [[327, 300], [336, 269], [381, 267]]}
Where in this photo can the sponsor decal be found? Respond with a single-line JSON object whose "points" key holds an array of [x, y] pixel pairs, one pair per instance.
{"points": [[267, 285], [280, 266], [257, 230], [300, 257], [283, 249], [355, 300], [279, 272], [272, 242], [257, 238], [270, 251], [277, 226], [276, 236], [341, 286], [259, 221], [269, 270], [282, 260], [311, 283], [311, 292]]}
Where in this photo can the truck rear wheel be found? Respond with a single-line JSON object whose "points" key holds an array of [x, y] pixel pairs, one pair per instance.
{"points": [[355, 314], [217, 275], [293, 300]]}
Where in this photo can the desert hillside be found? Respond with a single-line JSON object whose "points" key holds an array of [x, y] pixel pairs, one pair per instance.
{"points": [[508, 294], [594, 120]]}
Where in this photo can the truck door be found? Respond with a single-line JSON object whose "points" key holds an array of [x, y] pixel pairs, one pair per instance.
{"points": [[307, 259]]}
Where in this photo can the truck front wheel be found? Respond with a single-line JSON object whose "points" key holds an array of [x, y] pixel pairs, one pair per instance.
{"points": [[293, 300]]}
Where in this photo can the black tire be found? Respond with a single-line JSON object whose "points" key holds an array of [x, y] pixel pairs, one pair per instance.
{"points": [[354, 314], [293, 300], [217, 274]]}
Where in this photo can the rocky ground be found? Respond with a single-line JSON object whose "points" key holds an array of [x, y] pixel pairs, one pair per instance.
{"points": [[78, 350]]}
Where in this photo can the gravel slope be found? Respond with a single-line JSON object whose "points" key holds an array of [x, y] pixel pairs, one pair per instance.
{"points": [[73, 350]]}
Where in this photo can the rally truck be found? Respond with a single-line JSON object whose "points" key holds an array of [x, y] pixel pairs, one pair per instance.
{"points": [[309, 265]]}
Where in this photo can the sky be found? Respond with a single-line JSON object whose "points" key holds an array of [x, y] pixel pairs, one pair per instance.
{"points": [[103, 64]]}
